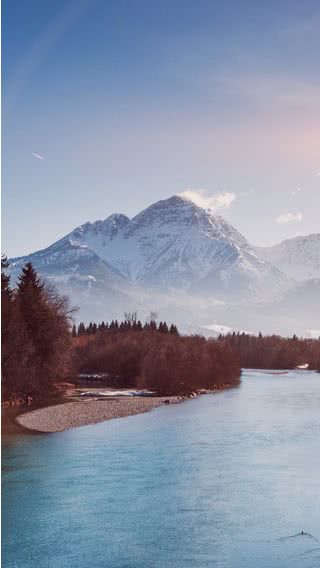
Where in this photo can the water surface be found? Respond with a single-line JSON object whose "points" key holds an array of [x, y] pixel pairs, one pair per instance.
{"points": [[219, 481]]}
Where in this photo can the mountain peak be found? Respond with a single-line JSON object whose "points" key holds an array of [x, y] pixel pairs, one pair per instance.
{"points": [[117, 218], [178, 201], [173, 202]]}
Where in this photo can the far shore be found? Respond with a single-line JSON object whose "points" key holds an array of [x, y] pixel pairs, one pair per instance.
{"points": [[67, 415]]}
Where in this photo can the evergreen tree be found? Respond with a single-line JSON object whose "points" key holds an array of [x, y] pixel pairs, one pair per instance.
{"points": [[31, 299], [37, 336], [81, 329]]}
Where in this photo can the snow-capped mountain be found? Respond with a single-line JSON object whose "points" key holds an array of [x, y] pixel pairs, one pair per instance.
{"points": [[174, 257], [171, 244], [298, 257]]}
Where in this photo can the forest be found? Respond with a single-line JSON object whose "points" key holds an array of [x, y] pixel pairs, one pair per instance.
{"points": [[154, 356], [42, 346], [273, 351]]}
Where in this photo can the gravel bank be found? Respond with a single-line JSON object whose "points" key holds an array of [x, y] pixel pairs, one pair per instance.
{"points": [[73, 414]]}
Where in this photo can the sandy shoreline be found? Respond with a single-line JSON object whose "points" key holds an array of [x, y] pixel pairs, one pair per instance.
{"points": [[68, 415]]}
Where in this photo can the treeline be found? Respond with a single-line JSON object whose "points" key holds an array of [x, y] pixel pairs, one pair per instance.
{"points": [[151, 359], [35, 336], [273, 351], [130, 323]]}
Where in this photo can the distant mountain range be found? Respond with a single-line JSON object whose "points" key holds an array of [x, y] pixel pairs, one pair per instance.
{"points": [[298, 257], [181, 260]]}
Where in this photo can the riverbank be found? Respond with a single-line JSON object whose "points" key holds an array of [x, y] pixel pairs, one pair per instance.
{"points": [[69, 415]]}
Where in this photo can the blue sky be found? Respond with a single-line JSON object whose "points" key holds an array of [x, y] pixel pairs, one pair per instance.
{"points": [[131, 101]]}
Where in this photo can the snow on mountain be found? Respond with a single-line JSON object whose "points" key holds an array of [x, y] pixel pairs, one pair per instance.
{"points": [[176, 244], [67, 258], [298, 257]]}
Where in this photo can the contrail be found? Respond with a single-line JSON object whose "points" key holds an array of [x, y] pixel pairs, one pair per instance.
{"points": [[38, 156]]}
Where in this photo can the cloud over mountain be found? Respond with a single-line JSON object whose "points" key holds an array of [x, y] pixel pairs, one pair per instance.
{"points": [[214, 201]]}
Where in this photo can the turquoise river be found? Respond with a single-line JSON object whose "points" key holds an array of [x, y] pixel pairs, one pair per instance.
{"points": [[227, 480]]}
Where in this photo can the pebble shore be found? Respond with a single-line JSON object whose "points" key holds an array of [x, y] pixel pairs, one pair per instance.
{"points": [[69, 415]]}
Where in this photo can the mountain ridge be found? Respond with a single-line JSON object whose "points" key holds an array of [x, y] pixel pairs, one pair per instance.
{"points": [[173, 243]]}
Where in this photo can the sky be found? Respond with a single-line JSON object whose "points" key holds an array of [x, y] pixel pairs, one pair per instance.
{"points": [[111, 105]]}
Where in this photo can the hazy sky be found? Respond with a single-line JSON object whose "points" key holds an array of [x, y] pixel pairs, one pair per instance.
{"points": [[111, 105]]}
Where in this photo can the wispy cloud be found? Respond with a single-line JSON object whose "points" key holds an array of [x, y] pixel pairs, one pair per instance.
{"points": [[289, 218], [295, 191], [37, 156], [215, 201]]}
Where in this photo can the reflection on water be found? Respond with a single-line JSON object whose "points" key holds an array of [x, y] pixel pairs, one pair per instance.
{"points": [[222, 480]]}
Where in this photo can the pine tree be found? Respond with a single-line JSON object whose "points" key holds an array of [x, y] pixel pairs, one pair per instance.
{"points": [[81, 329], [173, 329], [29, 280], [45, 316], [30, 295]]}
